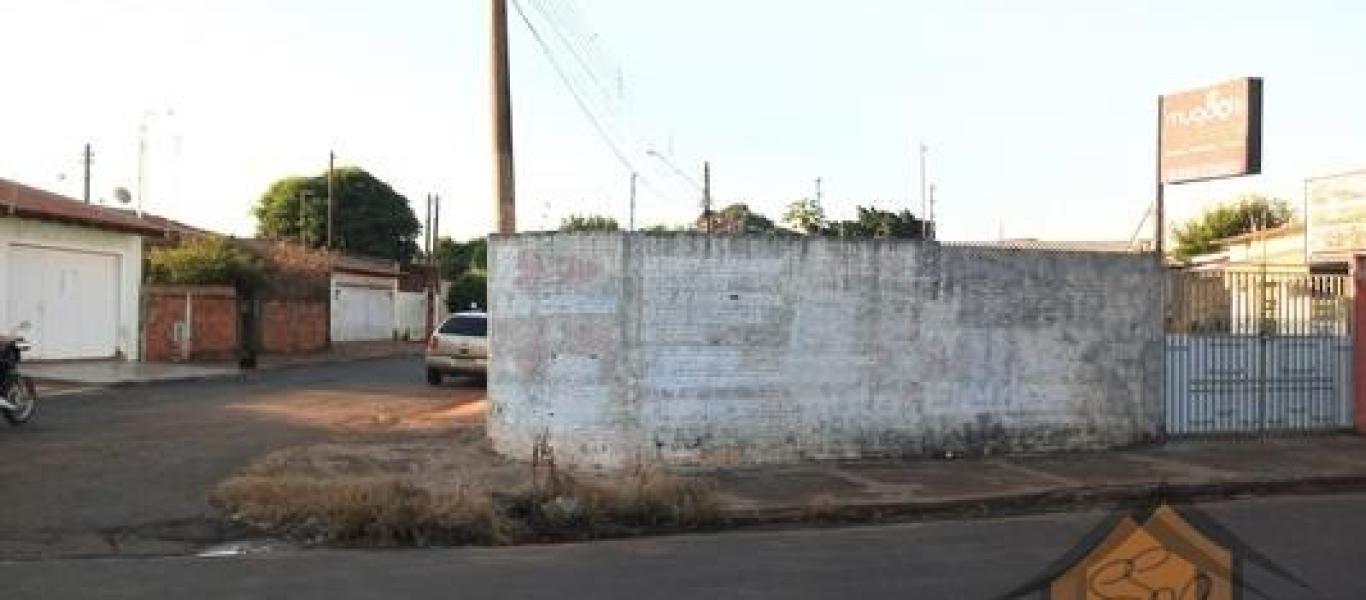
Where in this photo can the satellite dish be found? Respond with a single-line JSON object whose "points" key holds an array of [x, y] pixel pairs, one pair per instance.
{"points": [[122, 196]]}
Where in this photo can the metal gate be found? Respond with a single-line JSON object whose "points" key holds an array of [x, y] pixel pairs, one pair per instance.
{"points": [[1258, 352]]}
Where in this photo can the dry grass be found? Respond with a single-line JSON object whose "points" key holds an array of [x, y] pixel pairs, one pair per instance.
{"points": [[820, 507], [438, 492], [365, 511]]}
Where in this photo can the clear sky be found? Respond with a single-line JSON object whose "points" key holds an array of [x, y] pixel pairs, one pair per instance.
{"points": [[1039, 115]]}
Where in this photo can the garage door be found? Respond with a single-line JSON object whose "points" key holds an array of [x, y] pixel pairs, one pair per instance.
{"points": [[362, 313], [64, 302]]}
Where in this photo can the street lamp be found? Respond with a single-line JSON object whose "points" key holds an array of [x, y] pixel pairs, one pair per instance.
{"points": [[680, 172]]}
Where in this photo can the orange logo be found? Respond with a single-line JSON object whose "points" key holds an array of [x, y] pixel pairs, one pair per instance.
{"points": [[1165, 558]]}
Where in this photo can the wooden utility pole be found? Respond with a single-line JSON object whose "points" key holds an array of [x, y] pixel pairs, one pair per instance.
{"points": [[427, 231], [505, 207], [706, 195], [86, 157], [331, 197], [436, 222]]}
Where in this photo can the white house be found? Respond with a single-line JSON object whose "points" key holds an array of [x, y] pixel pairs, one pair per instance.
{"points": [[365, 299], [70, 274]]}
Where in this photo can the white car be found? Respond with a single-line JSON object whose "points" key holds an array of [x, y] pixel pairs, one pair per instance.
{"points": [[459, 347]]}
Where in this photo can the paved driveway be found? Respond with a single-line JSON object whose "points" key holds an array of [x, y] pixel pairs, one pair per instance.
{"points": [[126, 470]]}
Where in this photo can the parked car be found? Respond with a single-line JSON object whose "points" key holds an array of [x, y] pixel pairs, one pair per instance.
{"points": [[459, 347]]}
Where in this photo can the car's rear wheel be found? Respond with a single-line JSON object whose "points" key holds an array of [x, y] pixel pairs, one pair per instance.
{"points": [[433, 377]]}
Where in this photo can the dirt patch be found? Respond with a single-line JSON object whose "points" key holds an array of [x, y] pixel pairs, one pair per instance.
{"points": [[451, 490], [365, 412]]}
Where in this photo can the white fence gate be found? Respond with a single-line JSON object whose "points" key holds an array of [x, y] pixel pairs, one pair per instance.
{"points": [[1258, 353]]}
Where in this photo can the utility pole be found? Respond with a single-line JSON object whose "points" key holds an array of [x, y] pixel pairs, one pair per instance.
{"points": [[818, 190], [86, 157], [331, 197], [631, 216], [505, 209], [436, 222], [427, 230], [706, 195]]}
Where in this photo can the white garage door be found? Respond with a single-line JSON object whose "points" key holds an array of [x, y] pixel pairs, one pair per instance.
{"points": [[362, 313], [64, 302]]}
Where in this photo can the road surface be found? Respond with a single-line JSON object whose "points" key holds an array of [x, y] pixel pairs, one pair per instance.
{"points": [[126, 470], [1320, 539]]}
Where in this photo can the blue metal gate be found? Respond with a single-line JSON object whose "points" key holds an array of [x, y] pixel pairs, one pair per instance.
{"points": [[1258, 352]]}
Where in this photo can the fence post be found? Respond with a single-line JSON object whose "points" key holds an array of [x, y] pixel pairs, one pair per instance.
{"points": [[1358, 330]]}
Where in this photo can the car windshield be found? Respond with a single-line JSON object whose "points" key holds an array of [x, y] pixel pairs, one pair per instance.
{"points": [[467, 325]]}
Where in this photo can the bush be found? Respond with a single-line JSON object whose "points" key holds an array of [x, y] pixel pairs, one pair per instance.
{"points": [[467, 289], [210, 260], [297, 272]]}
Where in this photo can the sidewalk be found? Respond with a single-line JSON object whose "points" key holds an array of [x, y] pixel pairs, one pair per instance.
{"points": [[1178, 470], [102, 373]]}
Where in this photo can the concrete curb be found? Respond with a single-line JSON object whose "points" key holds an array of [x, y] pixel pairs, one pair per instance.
{"points": [[239, 375], [1038, 502]]}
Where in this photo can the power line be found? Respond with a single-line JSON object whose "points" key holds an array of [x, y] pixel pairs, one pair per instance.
{"points": [[578, 99], [578, 52]]}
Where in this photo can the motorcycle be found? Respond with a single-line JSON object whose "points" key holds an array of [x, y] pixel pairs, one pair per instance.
{"points": [[18, 398]]}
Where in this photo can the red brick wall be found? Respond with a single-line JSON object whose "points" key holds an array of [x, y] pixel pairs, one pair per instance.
{"points": [[293, 326], [213, 323]]}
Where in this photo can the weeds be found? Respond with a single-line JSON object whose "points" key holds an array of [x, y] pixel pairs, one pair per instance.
{"points": [[294, 498]]}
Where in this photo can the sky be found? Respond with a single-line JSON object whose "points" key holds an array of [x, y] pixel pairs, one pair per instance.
{"points": [[1039, 117]]}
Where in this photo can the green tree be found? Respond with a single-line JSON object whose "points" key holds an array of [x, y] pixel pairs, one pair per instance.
{"points": [[805, 215], [454, 258], [1201, 235], [209, 260], [371, 218], [876, 223], [588, 223], [469, 290], [736, 219]]}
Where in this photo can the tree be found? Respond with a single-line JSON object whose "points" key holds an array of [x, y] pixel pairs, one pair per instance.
{"points": [[209, 260], [805, 215], [469, 290], [736, 219], [588, 223], [454, 259], [371, 218], [876, 223], [1201, 235]]}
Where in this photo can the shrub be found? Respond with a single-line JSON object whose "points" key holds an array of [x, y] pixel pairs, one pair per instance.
{"points": [[469, 288], [210, 260]]}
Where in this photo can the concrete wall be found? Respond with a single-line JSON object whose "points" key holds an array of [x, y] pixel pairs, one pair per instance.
{"points": [[125, 248], [411, 316], [685, 349]]}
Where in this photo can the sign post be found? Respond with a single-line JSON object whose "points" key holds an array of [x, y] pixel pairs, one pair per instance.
{"points": [[1207, 133]]}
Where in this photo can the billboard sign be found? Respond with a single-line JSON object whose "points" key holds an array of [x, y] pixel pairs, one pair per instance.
{"points": [[1335, 209], [1212, 132]]}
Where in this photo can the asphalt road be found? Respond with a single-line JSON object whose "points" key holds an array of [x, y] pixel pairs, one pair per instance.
{"points": [[1322, 540], [126, 470]]}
